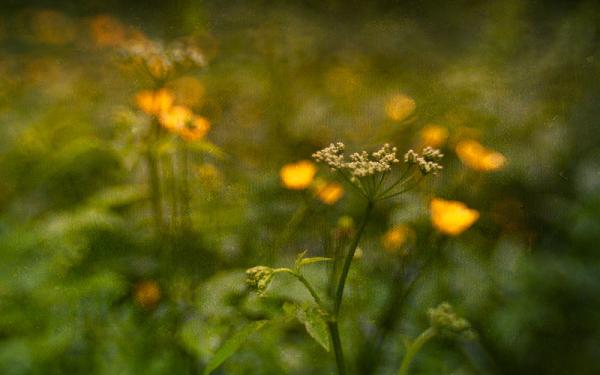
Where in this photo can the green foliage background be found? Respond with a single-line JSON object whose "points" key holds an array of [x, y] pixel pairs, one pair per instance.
{"points": [[283, 80]]}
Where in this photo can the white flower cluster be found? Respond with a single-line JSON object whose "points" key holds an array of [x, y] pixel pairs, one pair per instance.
{"points": [[428, 162], [180, 53], [361, 164]]}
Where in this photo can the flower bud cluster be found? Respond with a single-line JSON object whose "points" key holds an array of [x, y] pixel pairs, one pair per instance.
{"points": [[259, 278], [444, 318], [361, 164], [161, 60], [428, 162]]}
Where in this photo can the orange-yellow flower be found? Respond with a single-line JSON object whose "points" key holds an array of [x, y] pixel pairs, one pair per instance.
{"points": [[154, 102], [147, 293], [328, 192], [395, 238], [298, 175], [452, 217], [176, 118], [399, 107], [195, 129], [475, 156], [434, 135]]}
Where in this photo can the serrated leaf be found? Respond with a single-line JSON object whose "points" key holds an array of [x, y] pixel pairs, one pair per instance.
{"points": [[313, 319], [232, 344]]}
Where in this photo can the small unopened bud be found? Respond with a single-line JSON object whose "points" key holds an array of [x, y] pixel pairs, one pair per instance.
{"points": [[259, 278], [444, 318]]}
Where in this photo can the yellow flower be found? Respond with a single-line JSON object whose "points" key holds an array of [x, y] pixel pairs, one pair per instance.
{"points": [[328, 192], [434, 135], [176, 118], [154, 102], [475, 156], [298, 175], [395, 238], [452, 217], [195, 129], [399, 107], [147, 293]]}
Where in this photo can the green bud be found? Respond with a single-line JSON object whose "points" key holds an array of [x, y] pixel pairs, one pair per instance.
{"points": [[259, 278], [445, 319]]}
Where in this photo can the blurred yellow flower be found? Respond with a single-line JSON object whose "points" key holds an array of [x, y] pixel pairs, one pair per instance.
{"points": [[147, 293], [399, 107], [298, 175], [475, 156], [195, 129], [395, 238], [107, 31], [452, 217], [154, 103], [176, 118], [328, 192], [434, 135]]}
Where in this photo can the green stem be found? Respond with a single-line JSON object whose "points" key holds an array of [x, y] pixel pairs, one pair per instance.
{"points": [[332, 324], [414, 348], [154, 177], [185, 188], [348, 260], [334, 332], [305, 282], [289, 229]]}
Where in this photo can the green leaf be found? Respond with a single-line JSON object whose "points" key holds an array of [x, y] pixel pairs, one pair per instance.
{"points": [[312, 260], [313, 319], [302, 261], [232, 344]]}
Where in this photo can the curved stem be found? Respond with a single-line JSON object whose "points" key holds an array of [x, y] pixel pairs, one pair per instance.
{"points": [[401, 181], [415, 184], [287, 232], [348, 260], [306, 284], [414, 348]]}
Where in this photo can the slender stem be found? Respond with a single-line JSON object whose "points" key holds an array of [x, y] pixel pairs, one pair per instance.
{"points": [[289, 229], [169, 169], [401, 191], [400, 181], [358, 186], [154, 176], [348, 260], [306, 284], [414, 348], [334, 332], [185, 187], [332, 324]]}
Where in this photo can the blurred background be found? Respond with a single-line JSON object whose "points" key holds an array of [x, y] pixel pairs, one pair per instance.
{"points": [[123, 250]]}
